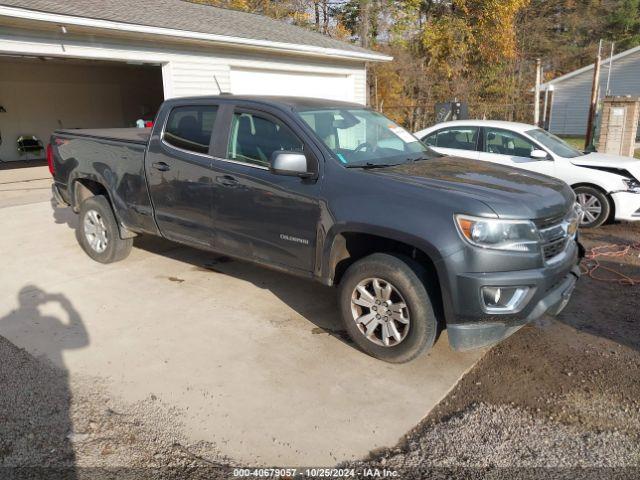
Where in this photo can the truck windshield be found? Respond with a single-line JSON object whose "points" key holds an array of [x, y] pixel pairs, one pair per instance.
{"points": [[553, 143], [361, 137]]}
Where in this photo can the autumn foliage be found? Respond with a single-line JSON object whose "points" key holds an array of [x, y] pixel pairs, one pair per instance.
{"points": [[482, 52]]}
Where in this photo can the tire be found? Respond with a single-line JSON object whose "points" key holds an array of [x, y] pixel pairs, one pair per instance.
{"points": [[98, 234], [407, 287], [596, 205]]}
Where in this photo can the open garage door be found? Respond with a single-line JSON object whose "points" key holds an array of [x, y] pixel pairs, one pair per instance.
{"points": [[303, 84], [41, 94]]}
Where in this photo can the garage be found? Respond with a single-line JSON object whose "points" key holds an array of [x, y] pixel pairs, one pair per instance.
{"points": [[40, 94], [273, 82], [111, 63]]}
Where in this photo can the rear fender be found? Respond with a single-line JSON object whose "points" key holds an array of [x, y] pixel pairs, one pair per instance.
{"points": [[88, 186]]}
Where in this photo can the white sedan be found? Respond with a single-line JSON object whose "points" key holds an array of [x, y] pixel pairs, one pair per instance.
{"points": [[606, 186]]}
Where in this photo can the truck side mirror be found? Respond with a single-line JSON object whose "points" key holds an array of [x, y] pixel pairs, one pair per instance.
{"points": [[539, 155], [290, 163]]}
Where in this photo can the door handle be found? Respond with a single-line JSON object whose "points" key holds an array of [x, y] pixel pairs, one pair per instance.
{"points": [[163, 167], [227, 181]]}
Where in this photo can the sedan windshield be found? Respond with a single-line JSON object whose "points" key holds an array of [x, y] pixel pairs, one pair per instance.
{"points": [[361, 137], [553, 143]]}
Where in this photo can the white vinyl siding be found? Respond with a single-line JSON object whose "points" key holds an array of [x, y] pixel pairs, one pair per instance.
{"points": [[360, 85], [189, 69], [571, 97], [193, 77], [287, 82]]}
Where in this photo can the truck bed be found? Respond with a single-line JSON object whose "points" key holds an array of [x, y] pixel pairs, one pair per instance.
{"points": [[112, 158], [129, 135]]}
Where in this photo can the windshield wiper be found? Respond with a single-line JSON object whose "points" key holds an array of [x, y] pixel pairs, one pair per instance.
{"points": [[417, 159], [370, 165]]}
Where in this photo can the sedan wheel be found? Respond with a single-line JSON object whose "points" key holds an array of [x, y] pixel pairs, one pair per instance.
{"points": [[591, 207], [595, 206]]}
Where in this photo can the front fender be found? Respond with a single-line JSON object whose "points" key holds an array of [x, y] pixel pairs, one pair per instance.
{"points": [[331, 244]]}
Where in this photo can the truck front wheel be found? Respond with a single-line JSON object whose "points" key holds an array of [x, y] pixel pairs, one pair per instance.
{"points": [[98, 233], [386, 308]]}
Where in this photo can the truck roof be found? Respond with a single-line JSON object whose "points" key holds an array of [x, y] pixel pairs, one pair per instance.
{"points": [[141, 135], [288, 102]]}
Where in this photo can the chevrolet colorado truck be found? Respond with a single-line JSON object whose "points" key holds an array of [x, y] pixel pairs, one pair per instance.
{"points": [[415, 242]]}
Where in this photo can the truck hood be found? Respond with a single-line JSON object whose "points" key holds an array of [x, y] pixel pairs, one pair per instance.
{"points": [[509, 192], [609, 163]]}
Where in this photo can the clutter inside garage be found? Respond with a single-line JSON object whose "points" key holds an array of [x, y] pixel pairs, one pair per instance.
{"points": [[41, 94]]}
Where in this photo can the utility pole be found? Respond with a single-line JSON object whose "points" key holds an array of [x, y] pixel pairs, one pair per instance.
{"points": [[588, 138], [544, 108], [536, 99], [607, 91]]}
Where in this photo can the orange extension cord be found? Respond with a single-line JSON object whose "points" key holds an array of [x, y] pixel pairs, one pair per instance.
{"points": [[590, 263]]}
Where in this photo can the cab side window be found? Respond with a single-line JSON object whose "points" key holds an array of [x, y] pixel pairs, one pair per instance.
{"points": [[461, 138], [190, 127], [254, 138], [505, 142]]}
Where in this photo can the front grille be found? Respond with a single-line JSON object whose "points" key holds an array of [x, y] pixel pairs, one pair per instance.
{"points": [[554, 248], [555, 240], [544, 223]]}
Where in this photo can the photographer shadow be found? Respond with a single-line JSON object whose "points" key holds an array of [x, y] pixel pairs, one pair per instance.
{"points": [[36, 429]]}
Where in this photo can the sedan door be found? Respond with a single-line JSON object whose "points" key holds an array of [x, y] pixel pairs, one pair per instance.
{"points": [[512, 149], [455, 141], [261, 215], [178, 165]]}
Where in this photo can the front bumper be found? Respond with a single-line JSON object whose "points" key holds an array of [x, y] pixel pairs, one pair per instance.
{"points": [[627, 205], [469, 327]]}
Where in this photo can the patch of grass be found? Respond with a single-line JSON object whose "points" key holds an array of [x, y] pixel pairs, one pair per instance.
{"points": [[576, 142]]}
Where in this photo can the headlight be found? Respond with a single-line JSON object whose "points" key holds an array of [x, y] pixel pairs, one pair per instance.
{"points": [[632, 185], [509, 235], [574, 219]]}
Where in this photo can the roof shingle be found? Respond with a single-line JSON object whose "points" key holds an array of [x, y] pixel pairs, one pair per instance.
{"points": [[187, 16]]}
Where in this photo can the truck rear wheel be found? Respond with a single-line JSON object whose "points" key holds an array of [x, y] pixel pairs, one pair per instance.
{"points": [[386, 308], [98, 232]]}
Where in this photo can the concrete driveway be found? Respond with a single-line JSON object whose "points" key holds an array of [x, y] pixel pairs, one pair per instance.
{"points": [[21, 186], [255, 361]]}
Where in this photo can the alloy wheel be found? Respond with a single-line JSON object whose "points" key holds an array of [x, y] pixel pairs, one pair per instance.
{"points": [[380, 312], [95, 231], [591, 207]]}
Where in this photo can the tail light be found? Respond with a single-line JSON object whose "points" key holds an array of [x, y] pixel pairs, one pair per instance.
{"points": [[50, 159]]}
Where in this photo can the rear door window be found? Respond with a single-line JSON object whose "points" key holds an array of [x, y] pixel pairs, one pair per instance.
{"points": [[461, 138], [431, 139], [190, 127], [254, 138]]}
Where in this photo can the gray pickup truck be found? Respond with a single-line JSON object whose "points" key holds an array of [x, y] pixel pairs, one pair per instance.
{"points": [[332, 191]]}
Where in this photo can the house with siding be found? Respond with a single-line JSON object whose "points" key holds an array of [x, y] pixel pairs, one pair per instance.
{"points": [[572, 92], [109, 63]]}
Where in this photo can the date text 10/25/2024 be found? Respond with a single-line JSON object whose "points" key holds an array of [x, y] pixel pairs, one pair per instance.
{"points": [[284, 473]]}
